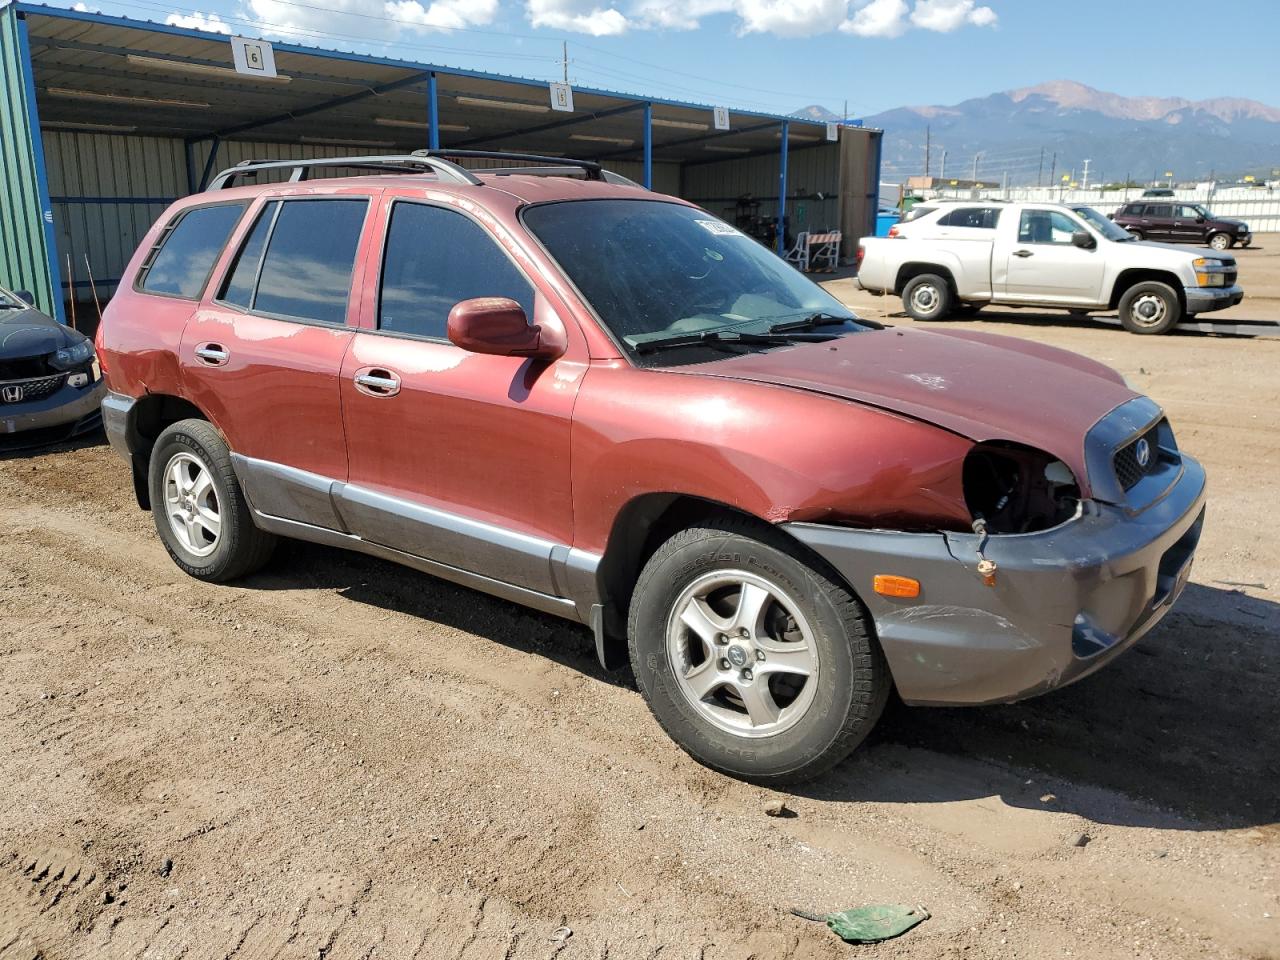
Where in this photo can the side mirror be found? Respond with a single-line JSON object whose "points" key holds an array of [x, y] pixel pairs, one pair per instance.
{"points": [[499, 327], [26, 296], [1199, 219], [1083, 239]]}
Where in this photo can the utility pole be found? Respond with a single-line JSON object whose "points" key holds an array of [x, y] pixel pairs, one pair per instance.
{"points": [[942, 174], [1084, 180], [565, 60], [974, 177], [1053, 167], [926, 151], [1040, 172]]}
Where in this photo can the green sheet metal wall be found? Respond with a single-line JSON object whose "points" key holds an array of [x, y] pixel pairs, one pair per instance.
{"points": [[26, 216]]}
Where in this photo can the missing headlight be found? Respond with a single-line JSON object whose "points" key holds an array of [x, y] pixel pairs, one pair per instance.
{"points": [[1018, 489]]}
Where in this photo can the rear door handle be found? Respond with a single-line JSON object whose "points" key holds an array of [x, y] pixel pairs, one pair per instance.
{"points": [[377, 382], [1023, 253], [213, 354]]}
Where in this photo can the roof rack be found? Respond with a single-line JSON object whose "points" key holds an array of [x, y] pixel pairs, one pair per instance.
{"points": [[593, 170], [301, 169], [608, 176]]}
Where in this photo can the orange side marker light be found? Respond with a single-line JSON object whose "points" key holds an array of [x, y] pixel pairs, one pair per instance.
{"points": [[889, 585]]}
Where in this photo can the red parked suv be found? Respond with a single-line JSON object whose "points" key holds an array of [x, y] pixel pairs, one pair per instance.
{"points": [[554, 386]]}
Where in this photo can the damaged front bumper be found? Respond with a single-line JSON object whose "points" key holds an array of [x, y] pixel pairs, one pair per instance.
{"points": [[1065, 601]]}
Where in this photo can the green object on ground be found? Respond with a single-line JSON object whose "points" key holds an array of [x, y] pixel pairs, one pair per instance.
{"points": [[875, 923]]}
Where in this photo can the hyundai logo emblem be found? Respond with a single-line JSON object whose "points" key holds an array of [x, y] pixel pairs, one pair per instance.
{"points": [[12, 393], [1142, 452]]}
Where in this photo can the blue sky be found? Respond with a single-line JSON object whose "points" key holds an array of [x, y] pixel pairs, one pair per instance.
{"points": [[778, 55]]}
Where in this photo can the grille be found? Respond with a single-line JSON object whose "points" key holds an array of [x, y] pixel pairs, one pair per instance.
{"points": [[32, 389], [24, 368], [1128, 470]]}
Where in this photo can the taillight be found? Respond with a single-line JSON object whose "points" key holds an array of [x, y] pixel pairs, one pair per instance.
{"points": [[893, 231], [97, 347], [862, 252]]}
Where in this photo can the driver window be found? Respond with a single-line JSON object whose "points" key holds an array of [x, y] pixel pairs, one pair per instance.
{"points": [[1046, 226], [1188, 213], [435, 258]]}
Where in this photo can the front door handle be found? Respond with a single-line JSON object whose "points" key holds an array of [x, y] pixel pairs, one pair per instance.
{"points": [[213, 354], [1023, 253], [377, 382]]}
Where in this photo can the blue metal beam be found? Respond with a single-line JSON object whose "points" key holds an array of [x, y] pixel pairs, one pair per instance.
{"points": [[208, 166], [190, 151], [648, 146], [433, 112], [782, 191], [42, 175]]}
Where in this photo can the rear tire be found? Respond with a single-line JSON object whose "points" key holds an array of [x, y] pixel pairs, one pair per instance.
{"points": [[751, 657], [1136, 234], [927, 297], [1151, 307], [1221, 241], [200, 511]]}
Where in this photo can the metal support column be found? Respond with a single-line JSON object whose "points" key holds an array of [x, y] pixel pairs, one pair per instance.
{"points": [[648, 146], [191, 165], [42, 176], [433, 113], [208, 165], [780, 245]]}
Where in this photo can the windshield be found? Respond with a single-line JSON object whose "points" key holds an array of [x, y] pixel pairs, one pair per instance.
{"points": [[1100, 223], [653, 270]]}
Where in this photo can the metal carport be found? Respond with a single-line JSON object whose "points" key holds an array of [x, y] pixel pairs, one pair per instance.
{"points": [[105, 120]]}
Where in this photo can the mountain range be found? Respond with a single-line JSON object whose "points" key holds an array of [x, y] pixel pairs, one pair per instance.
{"points": [[1138, 137]]}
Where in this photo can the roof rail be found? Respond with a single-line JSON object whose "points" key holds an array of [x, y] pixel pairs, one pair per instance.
{"points": [[593, 170], [608, 176], [419, 162]]}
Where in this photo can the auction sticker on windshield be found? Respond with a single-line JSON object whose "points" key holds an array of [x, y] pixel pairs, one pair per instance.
{"points": [[719, 228]]}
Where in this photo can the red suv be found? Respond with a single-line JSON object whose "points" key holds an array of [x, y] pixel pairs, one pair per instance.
{"points": [[557, 387]]}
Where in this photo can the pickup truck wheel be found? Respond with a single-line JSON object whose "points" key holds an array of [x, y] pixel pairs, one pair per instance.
{"points": [[1136, 234], [926, 297], [1150, 307], [1221, 241], [200, 511], [754, 660]]}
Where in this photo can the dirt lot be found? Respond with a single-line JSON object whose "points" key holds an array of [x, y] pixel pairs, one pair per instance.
{"points": [[341, 758]]}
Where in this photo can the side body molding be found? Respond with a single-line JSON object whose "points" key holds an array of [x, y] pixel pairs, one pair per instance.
{"points": [[552, 577]]}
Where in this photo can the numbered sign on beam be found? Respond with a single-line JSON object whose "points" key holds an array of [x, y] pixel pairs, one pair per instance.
{"points": [[722, 118], [833, 131], [255, 58], [562, 97]]}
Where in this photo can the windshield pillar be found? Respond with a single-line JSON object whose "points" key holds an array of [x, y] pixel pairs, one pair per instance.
{"points": [[648, 146], [779, 245]]}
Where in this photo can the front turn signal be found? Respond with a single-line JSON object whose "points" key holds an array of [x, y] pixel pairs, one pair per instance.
{"points": [[889, 585]]}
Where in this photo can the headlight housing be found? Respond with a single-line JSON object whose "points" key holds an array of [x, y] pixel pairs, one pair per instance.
{"points": [[73, 356], [1018, 489], [1209, 273]]}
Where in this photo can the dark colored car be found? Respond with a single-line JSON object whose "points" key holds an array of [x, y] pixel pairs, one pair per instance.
{"points": [[611, 406], [1172, 222], [50, 383]]}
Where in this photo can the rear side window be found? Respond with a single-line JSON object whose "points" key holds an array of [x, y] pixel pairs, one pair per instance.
{"points": [[434, 259], [1161, 210], [182, 259], [297, 260], [915, 213], [982, 218]]}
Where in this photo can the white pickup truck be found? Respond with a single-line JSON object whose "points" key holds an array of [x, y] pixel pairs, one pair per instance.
{"points": [[955, 257]]}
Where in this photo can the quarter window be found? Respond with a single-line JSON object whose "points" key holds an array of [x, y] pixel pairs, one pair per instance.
{"points": [[982, 218], [436, 258], [244, 273], [1046, 226], [180, 264]]}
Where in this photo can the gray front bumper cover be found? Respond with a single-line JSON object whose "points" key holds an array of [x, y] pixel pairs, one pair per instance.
{"points": [[1065, 602]]}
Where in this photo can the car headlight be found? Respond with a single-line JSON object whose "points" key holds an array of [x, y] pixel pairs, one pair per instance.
{"points": [[73, 356]]}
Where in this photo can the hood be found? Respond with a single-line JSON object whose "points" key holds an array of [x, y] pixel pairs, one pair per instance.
{"points": [[29, 333], [981, 386], [1182, 250]]}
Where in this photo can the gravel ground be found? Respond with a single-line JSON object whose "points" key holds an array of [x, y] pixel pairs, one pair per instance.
{"points": [[342, 758]]}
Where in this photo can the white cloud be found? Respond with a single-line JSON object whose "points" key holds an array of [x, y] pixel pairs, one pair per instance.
{"points": [[577, 17], [781, 18], [879, 18], [373, 19], [195, 21], [943, 16], [443, 14]]}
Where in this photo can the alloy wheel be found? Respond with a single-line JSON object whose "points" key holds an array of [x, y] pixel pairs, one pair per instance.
{"points": [[191, 504]]}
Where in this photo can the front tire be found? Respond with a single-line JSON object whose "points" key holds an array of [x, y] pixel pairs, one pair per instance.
{"points": [[200, 511], [751, 657], [1221, 241], [1150, 308], [927, 297]]}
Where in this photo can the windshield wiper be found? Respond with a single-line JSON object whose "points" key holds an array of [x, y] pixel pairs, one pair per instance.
{"points": [[814, 320], [719, 338]]}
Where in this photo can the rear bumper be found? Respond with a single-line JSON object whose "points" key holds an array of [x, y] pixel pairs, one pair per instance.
{"points": [[66, 412], [1066, 600], [1207, 299]]}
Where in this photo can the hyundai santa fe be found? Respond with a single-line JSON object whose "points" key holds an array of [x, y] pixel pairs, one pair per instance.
{"points": [[549, 384]]}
